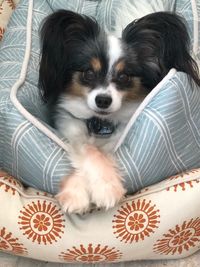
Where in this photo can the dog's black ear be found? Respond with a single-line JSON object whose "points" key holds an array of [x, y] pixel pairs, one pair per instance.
{"points": [[143, 42], [62, 33], [160, 41]]}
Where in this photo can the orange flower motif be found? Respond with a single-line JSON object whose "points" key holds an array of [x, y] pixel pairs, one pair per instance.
{"points": [[135, 221], [2, 31], [42, 222], [183, 185], [10, 244], [179, 239], [91, 258], [9, 183], [91, 254], [3, 245]]}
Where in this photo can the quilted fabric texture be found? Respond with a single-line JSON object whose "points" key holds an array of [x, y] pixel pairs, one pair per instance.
{"points": [[144, 226], [162, 138]]}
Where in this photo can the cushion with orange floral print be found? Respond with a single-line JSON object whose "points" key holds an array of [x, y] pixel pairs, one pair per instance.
{"points": [[163, 220]]}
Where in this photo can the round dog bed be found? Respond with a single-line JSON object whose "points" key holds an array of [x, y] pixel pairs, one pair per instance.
{"points": [[161, 140]]}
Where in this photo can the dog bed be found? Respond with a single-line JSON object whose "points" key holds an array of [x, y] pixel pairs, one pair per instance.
{"points": [[161, 140], [160, 222]]}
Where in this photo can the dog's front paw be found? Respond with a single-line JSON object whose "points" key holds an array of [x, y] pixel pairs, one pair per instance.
{"points": [[105, 181], [107, 194], [74, 197]]}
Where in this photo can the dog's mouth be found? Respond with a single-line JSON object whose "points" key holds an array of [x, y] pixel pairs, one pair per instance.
{"points": [[103, 113]]}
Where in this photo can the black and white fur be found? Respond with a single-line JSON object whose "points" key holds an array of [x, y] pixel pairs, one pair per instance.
{"points": [[85, 73]]}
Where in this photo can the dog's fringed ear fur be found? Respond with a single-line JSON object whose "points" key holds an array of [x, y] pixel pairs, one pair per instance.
{"points": [[161, 42], [60, 33]]}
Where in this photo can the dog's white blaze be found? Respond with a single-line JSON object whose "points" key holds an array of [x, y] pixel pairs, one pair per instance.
{"points": [[114, 50], [116, 97], [91, 98], [110, 91]]}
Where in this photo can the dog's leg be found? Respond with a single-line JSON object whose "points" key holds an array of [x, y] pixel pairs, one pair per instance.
{"points": [[74, 195], [95, 180], [104, 180]]}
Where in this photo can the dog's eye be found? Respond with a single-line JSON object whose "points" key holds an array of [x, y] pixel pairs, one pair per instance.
{"points": [[89, 75], [123, 78]]}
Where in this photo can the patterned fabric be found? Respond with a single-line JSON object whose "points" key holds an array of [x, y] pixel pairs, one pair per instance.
{"points": [[190, 9], [162, 140], [165, 138], [6, 9], [32, 224]]}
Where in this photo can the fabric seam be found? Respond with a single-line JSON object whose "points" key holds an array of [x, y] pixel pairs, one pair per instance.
{"points": [[142, 106], [13, 94], [168, 184], [195, 26]]}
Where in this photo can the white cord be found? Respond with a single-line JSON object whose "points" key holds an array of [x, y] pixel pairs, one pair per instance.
{"points": [[21, 80]]}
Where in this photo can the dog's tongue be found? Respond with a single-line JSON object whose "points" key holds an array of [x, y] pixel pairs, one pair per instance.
{"points": [[100, 127]]}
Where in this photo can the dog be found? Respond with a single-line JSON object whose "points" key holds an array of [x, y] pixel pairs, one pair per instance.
{"points": [[93, 82]]}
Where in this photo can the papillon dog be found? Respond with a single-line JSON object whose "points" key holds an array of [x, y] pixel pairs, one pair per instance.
{"points": [[93, 82]]}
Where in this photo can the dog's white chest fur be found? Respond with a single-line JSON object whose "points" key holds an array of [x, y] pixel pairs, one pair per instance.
{"points": [[77, 133], [76, 130]]}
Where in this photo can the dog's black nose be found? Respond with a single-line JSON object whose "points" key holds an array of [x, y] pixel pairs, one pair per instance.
{"points": [[103, 101]]}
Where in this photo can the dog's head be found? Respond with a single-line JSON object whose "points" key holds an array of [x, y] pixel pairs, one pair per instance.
{"points": [[86, 71], [90, 73]]}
